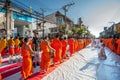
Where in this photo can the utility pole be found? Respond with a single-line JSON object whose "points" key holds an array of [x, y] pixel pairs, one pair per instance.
{"points": [[7, 7], [43, 19], [65, 8], [37, 21], [80, 22]]}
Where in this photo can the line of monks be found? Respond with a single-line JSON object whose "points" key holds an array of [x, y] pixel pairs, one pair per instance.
{"points": [[59, 47], [46, 45], [113, 44], [12, 44], [13, 48]]}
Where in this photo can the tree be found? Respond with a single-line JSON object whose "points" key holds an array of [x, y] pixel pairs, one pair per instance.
{"points": [[68, 32], [79, 30], [75, 30], [62, 29]]}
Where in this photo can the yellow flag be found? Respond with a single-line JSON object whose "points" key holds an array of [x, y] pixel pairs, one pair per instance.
{"points": [[30, 10]]}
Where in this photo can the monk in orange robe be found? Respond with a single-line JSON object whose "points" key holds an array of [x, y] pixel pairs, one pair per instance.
{"points": [[64, 46], [106, 42], [78, 48], [75, 44], [17, 42], [0, 77], [78, 45], [27, 68], [0, 60], [3, 53], [115, 45], [57, 45], [45, 57], [3, 42], [71, 46], [103, 40], [31, 43], [110, 44], [11, 44], [118, 48], [2, 46]]}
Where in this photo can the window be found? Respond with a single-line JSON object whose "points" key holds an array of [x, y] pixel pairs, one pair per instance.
{"points": [[60, 20], [54, 30]]}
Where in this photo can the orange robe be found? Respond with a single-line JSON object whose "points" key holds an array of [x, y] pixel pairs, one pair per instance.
{"points": [[27, 68], [0, 61], [11, 44], [118, 49], [57, 45], [31, 43], [79, 45], [115, 46], [110, 45], [106, 41], [17, 49], [71, 45], [75, 45], [3, 53], [3, 42], [64, 50], [0, 77], [45, 57]]}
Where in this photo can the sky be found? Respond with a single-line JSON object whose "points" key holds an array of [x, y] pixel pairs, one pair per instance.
{"points": [[96, 14]]}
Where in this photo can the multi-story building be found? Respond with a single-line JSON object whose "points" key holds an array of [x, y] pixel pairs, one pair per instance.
{"points": [[111, 31], [53, 23], [23, 23], [17, 23], [60, 20]]}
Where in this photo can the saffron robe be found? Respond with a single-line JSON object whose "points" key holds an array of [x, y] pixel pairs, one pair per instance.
{"points": [[27, 68], [57, 45], [45, 57]]}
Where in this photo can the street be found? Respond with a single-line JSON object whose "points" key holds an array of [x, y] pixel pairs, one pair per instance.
{"points": [[84, 65], [59, 40]]}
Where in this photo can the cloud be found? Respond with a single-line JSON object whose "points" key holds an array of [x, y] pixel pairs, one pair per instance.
{"points": [[100, 17]]}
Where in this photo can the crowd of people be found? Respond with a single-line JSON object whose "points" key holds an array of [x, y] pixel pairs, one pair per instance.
{"points": [[47, 51], [113, 43]]}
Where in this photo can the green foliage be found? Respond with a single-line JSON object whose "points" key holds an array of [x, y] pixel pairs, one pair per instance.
{"points": [[68, 32], [78, 30], [62, 28], [75, 30], [83, 29]]}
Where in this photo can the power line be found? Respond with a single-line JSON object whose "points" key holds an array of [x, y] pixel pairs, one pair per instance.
{"points": [[25, 6], [65, 8]]}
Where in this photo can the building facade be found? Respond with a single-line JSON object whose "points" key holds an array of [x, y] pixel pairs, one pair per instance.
{"points": [[53, 23]]}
